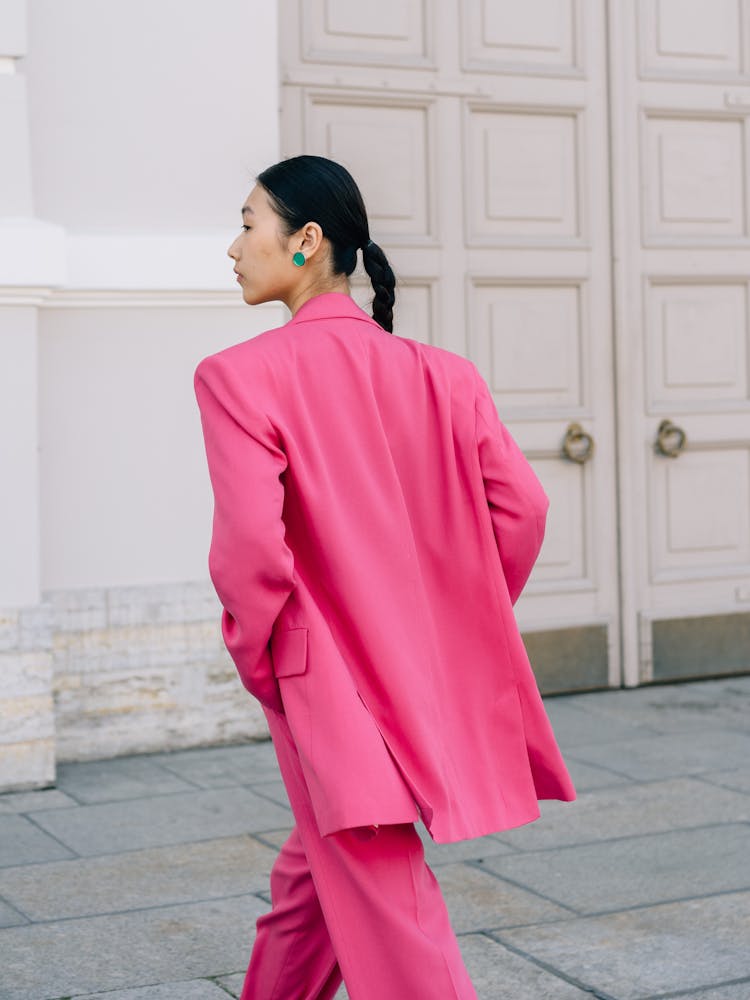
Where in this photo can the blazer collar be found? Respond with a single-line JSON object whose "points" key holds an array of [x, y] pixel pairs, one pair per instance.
{"points": [[329, 305]]}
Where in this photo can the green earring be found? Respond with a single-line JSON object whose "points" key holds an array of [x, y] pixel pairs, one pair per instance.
{"points": [[298, 259]]}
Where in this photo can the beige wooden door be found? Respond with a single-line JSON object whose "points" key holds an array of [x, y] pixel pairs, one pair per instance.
{"points": [[478, 132], [680, 125]]}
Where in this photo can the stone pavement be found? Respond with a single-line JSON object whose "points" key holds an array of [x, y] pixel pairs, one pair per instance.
{"points": [[141, 878]]}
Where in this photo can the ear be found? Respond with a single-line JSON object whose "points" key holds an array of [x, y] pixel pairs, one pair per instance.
{"points": [[308, 239]]}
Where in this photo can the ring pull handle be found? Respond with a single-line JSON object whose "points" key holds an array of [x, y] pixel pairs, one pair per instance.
{"points": [[578, 446], [670, 439]]}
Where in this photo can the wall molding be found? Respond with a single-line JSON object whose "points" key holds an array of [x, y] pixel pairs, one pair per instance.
{"points": [[136, 298], [139, 298], [36, 256]]}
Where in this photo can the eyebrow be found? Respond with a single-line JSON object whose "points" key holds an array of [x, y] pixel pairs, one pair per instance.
{"points": [[246, 208]]}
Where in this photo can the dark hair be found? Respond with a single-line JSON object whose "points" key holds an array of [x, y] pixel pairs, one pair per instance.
{"points": [[314, 189]]}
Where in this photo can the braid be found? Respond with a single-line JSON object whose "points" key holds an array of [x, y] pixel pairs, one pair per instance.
{"points": [[383, 283]]}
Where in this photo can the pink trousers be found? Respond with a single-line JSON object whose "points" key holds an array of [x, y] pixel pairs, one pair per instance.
{"points": [[366, 908]]}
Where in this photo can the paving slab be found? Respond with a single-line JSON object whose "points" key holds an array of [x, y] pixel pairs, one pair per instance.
{"points": [[195, 989], [114, 780], [476, 900], [630, 810], [463, 850], [498, 972], [273, 790], [223, 767], [586, 777], [673, 707], [575, 723], [27, 802], [169, 819], [136, 880], [647, 952], [198, 940], [22, 843], [635, 871], [672, 755]]}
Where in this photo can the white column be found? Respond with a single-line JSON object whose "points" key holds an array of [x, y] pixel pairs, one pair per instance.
{"points": [[27, 259]]}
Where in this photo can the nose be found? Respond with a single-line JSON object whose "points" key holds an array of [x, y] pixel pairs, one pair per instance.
{"points": [[231, 251]]}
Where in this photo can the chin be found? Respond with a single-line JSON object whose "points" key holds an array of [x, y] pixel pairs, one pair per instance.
{"points": [[256, 298]]}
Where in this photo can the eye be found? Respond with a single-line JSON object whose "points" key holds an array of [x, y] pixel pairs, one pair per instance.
{"points": [[246, 229]]}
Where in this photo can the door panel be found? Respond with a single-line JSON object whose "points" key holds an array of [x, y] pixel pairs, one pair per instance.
{"points": [[701, 517], [682, 257], [697, 344], [505, 36], [390, 32], [525, 181], [528, 339], [693, 175], [692, 38]]}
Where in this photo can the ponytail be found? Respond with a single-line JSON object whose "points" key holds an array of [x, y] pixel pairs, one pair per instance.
{"points": [[383, 284]]}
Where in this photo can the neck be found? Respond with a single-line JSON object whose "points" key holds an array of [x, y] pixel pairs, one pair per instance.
{"points": [[297, 298]]}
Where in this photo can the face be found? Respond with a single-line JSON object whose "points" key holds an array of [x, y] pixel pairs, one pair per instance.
{"points": [[262, 254]]}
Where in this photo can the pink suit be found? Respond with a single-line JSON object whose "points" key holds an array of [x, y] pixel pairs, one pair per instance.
{"points": [[374, 523]]}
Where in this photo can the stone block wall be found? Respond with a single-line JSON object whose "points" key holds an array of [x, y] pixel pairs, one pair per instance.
{"points": [[27, 727], [94, 673], [138, 669]]}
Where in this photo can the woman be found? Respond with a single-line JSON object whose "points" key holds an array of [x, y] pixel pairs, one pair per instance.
{"points": [[374, 523]]}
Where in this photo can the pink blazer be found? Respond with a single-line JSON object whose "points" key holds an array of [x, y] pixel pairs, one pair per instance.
{"points": [[374, 522]]}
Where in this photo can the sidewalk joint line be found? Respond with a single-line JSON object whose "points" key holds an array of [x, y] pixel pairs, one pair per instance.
{"points": [[137, 909], [718, 893], [519, 885], [26, 919], [168, 845], [30, 819], [693, 990], [623, 837], [552, 970]]}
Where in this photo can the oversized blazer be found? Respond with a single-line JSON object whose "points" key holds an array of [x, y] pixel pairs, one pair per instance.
{"points": [[374, 522]]}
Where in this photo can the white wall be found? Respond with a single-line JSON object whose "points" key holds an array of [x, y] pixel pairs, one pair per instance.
{"points": [[150, 116], [148, 122], [125, 492], [132, 131], [19, 510]]}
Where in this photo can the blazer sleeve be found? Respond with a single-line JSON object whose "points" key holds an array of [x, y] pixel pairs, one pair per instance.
{"points": [[249, 562], [517, 502]]}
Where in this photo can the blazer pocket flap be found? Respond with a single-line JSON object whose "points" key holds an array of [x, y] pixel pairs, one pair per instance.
{"points": [[289, 652]]}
